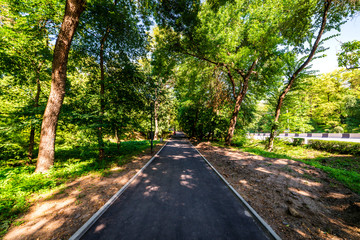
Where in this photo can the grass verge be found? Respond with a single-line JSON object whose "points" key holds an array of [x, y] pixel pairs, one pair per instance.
{"points": [[18, 180], [344, 168]]}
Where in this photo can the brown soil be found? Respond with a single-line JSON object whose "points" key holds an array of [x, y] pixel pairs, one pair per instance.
{"points": [[298, 201], [59, 215]]}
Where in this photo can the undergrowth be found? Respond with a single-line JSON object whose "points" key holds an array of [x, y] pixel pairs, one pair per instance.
{"points": [[18, 180]]}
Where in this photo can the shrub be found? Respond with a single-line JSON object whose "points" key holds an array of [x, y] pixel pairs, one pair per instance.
{"points": [[239, 139], [338, 129], [336, 146], [298, 141]]}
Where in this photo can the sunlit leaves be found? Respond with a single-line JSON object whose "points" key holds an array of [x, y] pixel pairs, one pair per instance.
{"points": [[349, 57]]}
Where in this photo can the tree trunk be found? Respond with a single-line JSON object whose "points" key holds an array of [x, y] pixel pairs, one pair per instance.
{"points": [[235, 114], [117, 138], [239, 98], [36, 104], [156, 132], [102, 102], [46, 156], [293, 77], [193, 131], [102, 94]]}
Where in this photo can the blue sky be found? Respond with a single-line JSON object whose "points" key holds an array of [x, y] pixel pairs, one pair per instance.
{"points": [[349, 31]]}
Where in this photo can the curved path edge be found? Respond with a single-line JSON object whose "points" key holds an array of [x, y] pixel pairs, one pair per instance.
{"points": [[84, 228], [252, 211]]}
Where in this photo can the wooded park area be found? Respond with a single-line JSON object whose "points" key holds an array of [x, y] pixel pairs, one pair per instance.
{"points": [[84, 82]]}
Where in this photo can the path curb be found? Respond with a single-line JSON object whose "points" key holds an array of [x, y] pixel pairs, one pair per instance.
{"points": [[257, 217], [84, 228]]}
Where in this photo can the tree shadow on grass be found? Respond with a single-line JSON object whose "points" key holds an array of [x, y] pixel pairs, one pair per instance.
{"points": [[70, 163]]}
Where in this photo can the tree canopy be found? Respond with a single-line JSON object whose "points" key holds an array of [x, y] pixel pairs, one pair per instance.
{"points": [[212, 68]]}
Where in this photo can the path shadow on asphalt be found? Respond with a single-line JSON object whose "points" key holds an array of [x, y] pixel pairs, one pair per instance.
{"points": [[178, 196]]}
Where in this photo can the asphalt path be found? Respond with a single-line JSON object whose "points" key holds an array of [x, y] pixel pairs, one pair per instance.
{"points": [[178, 196]]}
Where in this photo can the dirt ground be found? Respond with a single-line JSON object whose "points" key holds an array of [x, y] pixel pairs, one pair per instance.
{"points": [[298, 201], [59, 215]]}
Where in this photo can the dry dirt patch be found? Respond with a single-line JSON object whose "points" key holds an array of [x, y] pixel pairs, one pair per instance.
{"points": [[60, 214], [297, 200]]}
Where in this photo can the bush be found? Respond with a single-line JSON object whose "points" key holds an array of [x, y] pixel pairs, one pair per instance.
{"points": [[239, 139], [338, 129], [298, 141], [336, 146]]}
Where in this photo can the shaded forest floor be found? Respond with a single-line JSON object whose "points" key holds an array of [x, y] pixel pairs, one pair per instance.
{"points": [[59, 213], [299, 201]]}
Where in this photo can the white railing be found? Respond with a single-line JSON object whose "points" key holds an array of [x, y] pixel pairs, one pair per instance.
{"points": [[351, 137]]}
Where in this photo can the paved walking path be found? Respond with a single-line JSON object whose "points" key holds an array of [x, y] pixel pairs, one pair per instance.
{"points": [[178, 196]]}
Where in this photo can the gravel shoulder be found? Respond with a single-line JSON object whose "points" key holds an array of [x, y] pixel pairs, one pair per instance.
{"points": [[297, 200]]}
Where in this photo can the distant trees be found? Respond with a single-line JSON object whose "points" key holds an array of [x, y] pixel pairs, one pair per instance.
{"points": [[349, 57], [204, 102], [325, 103]]}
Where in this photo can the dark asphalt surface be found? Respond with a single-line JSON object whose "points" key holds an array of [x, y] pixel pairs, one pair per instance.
{"points": [[178, 196]]}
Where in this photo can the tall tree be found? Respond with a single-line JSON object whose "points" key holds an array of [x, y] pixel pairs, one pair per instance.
{"points": [[26, 48], [243, 39], [110, 29], [337, 12], [73, 10]]}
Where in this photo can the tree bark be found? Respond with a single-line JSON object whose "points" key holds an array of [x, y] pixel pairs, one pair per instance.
{"points": [[102, 100], [235, 113], [293, 77], [102, 93], [238, 99], [46, 156], [117, 138], [156, 121], [193, 132], [36, 104]]}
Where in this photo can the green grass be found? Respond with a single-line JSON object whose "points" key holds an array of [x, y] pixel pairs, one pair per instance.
{"points": [[18, 180], [344, 168]]}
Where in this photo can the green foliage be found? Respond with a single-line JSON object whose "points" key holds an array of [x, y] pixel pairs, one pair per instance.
{"points": [[240, 139], [204, 102], [178, 14], [349, 56], [325, 103], [338, 129], [298, 141], [336, 146]]}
